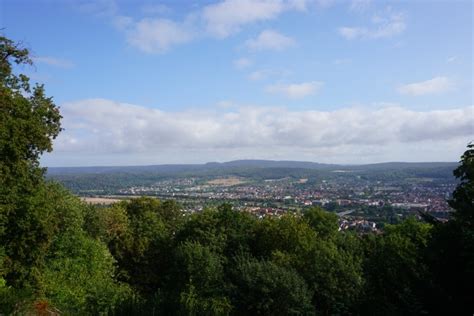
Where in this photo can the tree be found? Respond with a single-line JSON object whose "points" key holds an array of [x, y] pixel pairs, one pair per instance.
{"points": [[199, 280], [324, 223], [395, 270], [107, 224], [46, 257], [78, 277], [142, 240], [29, 121], [331, 271], [463, 197], [451, 250], [265, 288]]}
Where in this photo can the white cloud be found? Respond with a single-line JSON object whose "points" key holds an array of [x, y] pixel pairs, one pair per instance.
{"points": [[383, 27], [95, 7], [350, 32], [258, 75], [342, 61], [270, 40], [325, 3], [261, 74], [225, 104], [116, 131], [242, 63], [228, 17], [220, 20], [432, 86], [451, 59], [157, 35], [122, 22], [296, 90], [155, 9], [359, 5], [300, 5], [53, 61]]}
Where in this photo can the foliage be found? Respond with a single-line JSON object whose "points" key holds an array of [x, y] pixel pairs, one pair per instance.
{"points": [[200, 280], [265, 288], [451, 250], [332, 271], [139, 234], [46, 258], [463, 197], [79, 277], [324, 223], [29, 121], [107, 224], [395, 270]]}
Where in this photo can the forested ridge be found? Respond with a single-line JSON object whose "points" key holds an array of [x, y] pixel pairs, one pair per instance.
{"points": [[60, 256]]}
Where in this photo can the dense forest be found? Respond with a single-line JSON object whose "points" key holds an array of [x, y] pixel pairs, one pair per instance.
{"points": [[59, 256]]}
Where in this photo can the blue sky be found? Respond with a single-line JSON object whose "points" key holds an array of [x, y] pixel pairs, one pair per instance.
{"points": [[147, 82]]}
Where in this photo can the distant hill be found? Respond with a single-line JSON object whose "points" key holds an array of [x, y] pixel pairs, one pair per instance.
{"points": [[403, 165], [111, 179], [272, 164], [245, 164]]}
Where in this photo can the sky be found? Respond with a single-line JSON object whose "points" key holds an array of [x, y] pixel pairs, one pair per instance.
{"points": [[330, 81]]}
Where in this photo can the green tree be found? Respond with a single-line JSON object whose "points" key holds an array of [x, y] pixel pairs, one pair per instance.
{"points": [[265, 288], [324, 223], [46, 258], [332, 271], [223, 229], [78, 278], [142, 241], [463, 197], [29, 121], [396, 273], [199, 279], [451, 250], [107, 224]]}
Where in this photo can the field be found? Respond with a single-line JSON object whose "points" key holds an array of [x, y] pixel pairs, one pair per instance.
{"points": [[226, 181], [100, 200]]}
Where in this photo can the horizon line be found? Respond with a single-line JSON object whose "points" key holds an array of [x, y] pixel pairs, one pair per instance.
{"points": [[254, 160]]}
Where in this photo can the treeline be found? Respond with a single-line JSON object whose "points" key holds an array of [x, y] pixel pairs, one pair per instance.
{"points": [[59, 256], [144, 257]]}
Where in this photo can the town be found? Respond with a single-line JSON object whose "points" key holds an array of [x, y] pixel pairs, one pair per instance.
{"points": [[362, 203]]}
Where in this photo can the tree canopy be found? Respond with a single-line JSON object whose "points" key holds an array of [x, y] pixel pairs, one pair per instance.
{"points": [[47, 260]]}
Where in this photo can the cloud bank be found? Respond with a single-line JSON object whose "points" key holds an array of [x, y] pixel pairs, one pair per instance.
{"points": [[104, 128]]}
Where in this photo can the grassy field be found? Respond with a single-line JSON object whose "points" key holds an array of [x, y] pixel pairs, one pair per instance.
{"points": [[226, 181], [100, 200]]}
